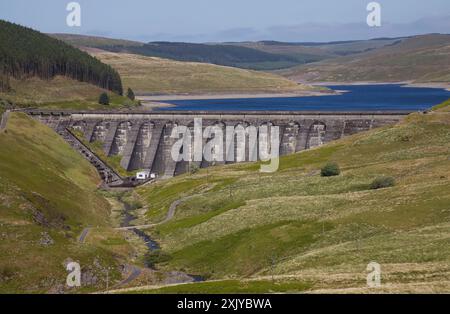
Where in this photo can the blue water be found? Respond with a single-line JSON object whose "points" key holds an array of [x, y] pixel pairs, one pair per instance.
{"points": [[358, 98]]}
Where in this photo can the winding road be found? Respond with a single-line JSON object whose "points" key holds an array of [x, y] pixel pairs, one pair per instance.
{"points": [[169, 216]]}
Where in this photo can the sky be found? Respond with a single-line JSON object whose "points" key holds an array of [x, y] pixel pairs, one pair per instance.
{"points": [[232, 20]]}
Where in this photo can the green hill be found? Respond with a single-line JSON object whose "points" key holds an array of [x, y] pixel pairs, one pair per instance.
{"points": [[313, 52], [420, 58], [220, 54], [48, 195], [297, 231], [94, 41], [40, 71], [150, 75], [228, 55], [262, 55]]}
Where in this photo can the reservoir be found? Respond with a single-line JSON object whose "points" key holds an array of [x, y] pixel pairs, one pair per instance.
{"points": [[353, 98]]}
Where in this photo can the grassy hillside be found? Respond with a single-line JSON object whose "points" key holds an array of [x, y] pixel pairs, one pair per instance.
{"points": [[421, 58], [37, 70], [161, 76], [59, 92], [310, 233], [48, 195]]}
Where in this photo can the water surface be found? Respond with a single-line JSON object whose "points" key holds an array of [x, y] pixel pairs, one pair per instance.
{"points": [[357, 98]]}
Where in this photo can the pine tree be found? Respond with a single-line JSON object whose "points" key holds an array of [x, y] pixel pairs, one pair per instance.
{"points": [[25, 53], [103, 99], [130, 94]]}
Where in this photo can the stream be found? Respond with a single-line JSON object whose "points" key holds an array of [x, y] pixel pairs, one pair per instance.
{"points": [[152, 245]]}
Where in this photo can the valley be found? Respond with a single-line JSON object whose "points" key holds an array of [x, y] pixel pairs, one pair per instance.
{"points": [[89, 105], [293, 230]]}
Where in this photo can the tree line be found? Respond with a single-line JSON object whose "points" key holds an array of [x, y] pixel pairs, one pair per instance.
{"points": [[26, 53]]}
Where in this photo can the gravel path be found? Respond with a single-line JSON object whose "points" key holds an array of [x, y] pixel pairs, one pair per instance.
{"points": [[169, 216], [135, 272]]}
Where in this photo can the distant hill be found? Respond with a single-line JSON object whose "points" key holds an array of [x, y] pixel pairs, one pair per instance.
{"points": [[94, 41], [26, 53], [307, 52], [424, 58], [151, 75], [228, 55], [234, 55], [262, 55]]}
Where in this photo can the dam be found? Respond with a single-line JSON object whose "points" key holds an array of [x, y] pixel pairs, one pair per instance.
{"points": [[142, 140]]}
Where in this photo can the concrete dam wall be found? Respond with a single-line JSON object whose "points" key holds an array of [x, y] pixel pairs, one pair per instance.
{"points": [[143, 139]]}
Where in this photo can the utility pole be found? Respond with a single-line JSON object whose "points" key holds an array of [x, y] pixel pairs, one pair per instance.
{"points": [[107, 279], [272, 267]]}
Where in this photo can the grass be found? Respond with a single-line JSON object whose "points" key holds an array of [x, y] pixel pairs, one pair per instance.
{"points": [[61, 93], [164, 196], [48, 190], [149, 75], [445, 106], [241, 225], [291, 231], [234, 286]]}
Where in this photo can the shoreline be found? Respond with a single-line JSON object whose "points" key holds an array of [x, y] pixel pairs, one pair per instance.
{"points": [[442, 85], [445, 86], [152, 105], [160, 101], [244, 95]]}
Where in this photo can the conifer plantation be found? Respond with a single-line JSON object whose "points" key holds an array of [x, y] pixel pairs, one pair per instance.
{"points": [[27, 53]]}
